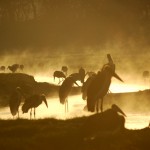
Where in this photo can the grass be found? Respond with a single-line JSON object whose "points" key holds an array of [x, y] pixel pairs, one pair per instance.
{"points": [[55, 134]]}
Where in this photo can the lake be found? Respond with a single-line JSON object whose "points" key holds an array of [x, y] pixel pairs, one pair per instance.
{"points": [[56, 110]]}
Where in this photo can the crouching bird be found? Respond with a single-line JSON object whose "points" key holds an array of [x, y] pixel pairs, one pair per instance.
{"points": [[106, 122], [33, 102]]}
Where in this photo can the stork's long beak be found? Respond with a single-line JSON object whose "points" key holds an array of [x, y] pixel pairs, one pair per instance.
{"points": [[45, 102], [117, 109], [117, 77], [76, 83], [120, 111]]}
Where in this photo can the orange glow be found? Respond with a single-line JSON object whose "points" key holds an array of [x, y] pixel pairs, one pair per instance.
{"points": [[76, 105], [115, 87], [122, 88]]}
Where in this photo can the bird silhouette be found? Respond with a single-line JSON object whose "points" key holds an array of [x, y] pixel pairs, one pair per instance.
{"points": [[77, 77], [112, 119], [21, 67], [86, 85], [65, 89], [15, 101], [99, 86], [82, 74], [60, 75], [64, 69], [33, 102], [90, 73], [13, 68], [2, 68]]}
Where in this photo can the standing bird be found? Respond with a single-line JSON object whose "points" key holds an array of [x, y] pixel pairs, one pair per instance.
{"points": [[32, 102], [99, 86], [13, 68], [15, 101], [86, 85], [64, 69], [110, 120], [82, 74], [2, 68], [65, 89], [90, 73], [78, 77], [21, 67], [60, 75]]}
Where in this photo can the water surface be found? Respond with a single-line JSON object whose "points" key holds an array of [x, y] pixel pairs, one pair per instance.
{"points": [[76, 106]]}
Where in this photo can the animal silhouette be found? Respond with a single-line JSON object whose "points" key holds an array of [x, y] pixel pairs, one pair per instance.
{"points": [[33, 102], [65, 69], [13, 68], [15, 101], [99, 85], [110, 120], [21, 67], [82, 74], [60, 75], [86, 85], [2, 68], [65, 89]]}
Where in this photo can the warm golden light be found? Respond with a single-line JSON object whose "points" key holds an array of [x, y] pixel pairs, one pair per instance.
{"points": [[76, 109]]}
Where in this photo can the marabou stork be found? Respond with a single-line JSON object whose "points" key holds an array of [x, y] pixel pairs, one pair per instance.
{"points": [[33, 102], [65, 89], [99, 85]]}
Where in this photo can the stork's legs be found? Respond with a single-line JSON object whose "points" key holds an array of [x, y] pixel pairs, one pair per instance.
{"points": [[97, 106], [102, 105], [31, 114], [18, 114], [66, 105], [34, 113]]}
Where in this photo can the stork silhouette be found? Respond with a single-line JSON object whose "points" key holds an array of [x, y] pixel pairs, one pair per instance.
{"points": [[13, 68], [99, 85], [2, 68], [60, 75], [33, 102], [64, 69], [15, 101], [65, 89], [86, 85], [112, 119]]}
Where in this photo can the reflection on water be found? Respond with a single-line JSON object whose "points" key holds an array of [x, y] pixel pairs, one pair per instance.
{"points": [[114, 87], [76, 105]]}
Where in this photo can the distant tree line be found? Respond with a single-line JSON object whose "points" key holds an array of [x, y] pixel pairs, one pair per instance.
{"points": [[29, 22], [23, 10]]}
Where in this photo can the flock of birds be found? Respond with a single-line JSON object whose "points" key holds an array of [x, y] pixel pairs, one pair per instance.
{"points": [[13, 68], [93, 90]]}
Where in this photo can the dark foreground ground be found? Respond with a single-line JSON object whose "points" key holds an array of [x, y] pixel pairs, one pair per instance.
{"points": [[55, 134]]}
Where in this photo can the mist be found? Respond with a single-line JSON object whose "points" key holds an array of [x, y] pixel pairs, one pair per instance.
{"points": [[45, 35]]}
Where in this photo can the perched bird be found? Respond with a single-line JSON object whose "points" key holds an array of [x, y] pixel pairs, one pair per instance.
{"points": [[33, 102], [65, 89], [60, 75], [99, 85], [110, 120], [15, 101]]}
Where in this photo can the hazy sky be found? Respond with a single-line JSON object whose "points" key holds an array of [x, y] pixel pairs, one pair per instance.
{"points": [[77, 33]]}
